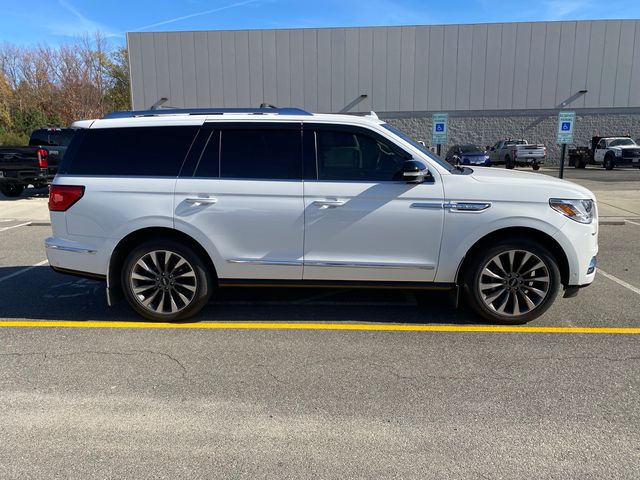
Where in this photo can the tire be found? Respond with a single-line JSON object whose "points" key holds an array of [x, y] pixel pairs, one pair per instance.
{"points": [[581, 164], [11, 189], [512, 261], [165, 281], [609, 162], [536, 167], [508, 163]]}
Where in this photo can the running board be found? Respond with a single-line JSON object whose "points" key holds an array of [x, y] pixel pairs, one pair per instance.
{"points": [[234, 282]]}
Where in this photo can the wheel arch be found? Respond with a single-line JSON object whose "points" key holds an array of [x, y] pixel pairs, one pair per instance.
{"points": [[135, 238], [524, 232]]}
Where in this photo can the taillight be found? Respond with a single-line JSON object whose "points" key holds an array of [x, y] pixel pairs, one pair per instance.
{"points": [[43, 157], [62, 197]]}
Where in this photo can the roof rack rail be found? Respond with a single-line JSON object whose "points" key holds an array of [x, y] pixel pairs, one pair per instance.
{"points": [[205, 111]]}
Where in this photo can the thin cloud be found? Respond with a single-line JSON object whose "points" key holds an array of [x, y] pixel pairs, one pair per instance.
{"points": [[78, 25], [197, 14], [561, 9]]}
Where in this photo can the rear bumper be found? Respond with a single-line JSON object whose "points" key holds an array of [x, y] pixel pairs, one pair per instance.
{"points": [[37, 175], [70, 256], [531, 160]]}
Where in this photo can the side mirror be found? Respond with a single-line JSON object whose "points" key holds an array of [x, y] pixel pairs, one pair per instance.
{"points": [[489, 148], [414, 171]]}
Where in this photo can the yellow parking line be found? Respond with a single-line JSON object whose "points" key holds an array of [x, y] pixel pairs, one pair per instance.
{"points": [[321, 326]]}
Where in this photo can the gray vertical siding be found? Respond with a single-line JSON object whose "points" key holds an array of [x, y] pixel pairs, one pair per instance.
{"points": [[400, 69]]}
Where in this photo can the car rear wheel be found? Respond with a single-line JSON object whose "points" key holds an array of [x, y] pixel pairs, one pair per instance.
{"points": [[536, 167], [11, 189], [166, 281], [512, 283]]}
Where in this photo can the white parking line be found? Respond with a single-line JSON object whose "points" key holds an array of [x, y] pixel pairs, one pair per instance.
{"points": [[620, 282], [15, 274], [15, 226], [635, 223]]}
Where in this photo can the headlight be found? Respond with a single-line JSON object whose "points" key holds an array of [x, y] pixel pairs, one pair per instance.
{"points": [[617, 152], [579, 210]]}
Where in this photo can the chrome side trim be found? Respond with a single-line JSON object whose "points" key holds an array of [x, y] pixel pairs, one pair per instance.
{"points": [[467, 206], [282, 263], [315, 263], [435, 205], [71, 249]]}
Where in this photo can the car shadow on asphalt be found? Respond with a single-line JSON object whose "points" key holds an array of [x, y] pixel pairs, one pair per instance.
{"points": [[28, 194], [42, 294]]}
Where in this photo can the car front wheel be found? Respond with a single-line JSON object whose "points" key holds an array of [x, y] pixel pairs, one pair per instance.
{"points": [[609, 162], [165, 281], [513, 282]]}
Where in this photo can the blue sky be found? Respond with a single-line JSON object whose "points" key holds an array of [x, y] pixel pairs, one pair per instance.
{"points": [[56, 21]]}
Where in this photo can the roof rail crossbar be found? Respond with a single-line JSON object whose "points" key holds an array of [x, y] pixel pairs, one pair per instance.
{"points": [[205, 111]]}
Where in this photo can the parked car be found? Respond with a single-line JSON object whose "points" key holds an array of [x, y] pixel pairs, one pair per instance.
{"points": [[35, 164], [615, 151], [168, 206], [518, 153], [468, 155], [55, 140], [579, 156]]}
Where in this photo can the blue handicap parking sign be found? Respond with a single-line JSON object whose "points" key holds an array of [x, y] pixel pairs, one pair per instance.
{"points": [[566, 126], [439, 127]]}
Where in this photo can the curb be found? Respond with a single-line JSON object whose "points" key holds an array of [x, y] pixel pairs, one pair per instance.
{"points": [[612, 221]]}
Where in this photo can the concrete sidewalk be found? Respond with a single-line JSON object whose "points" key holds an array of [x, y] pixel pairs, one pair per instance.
{"points": [[613, 205]]}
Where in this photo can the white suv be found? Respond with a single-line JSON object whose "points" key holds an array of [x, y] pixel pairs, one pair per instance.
{"points": [[167, 205]]}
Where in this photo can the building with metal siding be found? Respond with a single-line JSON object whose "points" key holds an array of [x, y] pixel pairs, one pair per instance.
{"points": [[510, 70]]}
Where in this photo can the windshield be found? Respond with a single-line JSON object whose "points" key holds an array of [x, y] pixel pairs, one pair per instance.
{"points": [[471, 149], [621, 142], [419, 146]]}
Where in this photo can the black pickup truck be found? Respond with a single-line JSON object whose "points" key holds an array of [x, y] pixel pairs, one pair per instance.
{"points": [[35, 164]]}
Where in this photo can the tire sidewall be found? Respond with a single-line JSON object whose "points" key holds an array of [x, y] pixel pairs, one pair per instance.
{"points": [[203, 276], [473, 274], [608, 163]]}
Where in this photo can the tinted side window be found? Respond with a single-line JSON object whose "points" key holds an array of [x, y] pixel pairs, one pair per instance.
{"points": [[209, 161], [136, 151], [60, 138], [261, 153], [39, 137], [344, 155]]}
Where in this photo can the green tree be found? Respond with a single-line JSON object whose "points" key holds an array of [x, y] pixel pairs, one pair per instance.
{"points": [[118, 94]]}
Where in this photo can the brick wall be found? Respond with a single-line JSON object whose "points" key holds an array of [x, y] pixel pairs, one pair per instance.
{"points": [[488, 129]]}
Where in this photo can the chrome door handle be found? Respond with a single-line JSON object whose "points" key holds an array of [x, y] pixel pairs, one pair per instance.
{"points": [[328, 203], [201, 200]]}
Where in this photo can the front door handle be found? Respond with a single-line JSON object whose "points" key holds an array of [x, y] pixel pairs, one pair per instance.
{"points": [[328, 203], [201, 200]]}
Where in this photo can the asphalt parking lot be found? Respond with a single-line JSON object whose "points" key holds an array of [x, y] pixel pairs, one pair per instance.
{"points": [[319, 383]]}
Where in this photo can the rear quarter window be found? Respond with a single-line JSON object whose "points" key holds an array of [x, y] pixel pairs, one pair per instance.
{"points": [[132, 151]]}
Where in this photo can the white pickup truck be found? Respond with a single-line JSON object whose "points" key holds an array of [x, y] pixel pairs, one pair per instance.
{"points": [[615, 151], [519, 153]]}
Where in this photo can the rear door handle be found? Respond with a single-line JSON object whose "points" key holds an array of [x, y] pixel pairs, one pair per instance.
{"points": [[328, 203], [201, 200]]}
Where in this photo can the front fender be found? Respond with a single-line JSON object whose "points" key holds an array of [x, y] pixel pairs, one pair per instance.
{"points": [[463, 230]]}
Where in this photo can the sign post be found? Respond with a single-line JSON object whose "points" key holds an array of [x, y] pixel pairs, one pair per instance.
{"points": [[566, 123], [439, 131]]}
